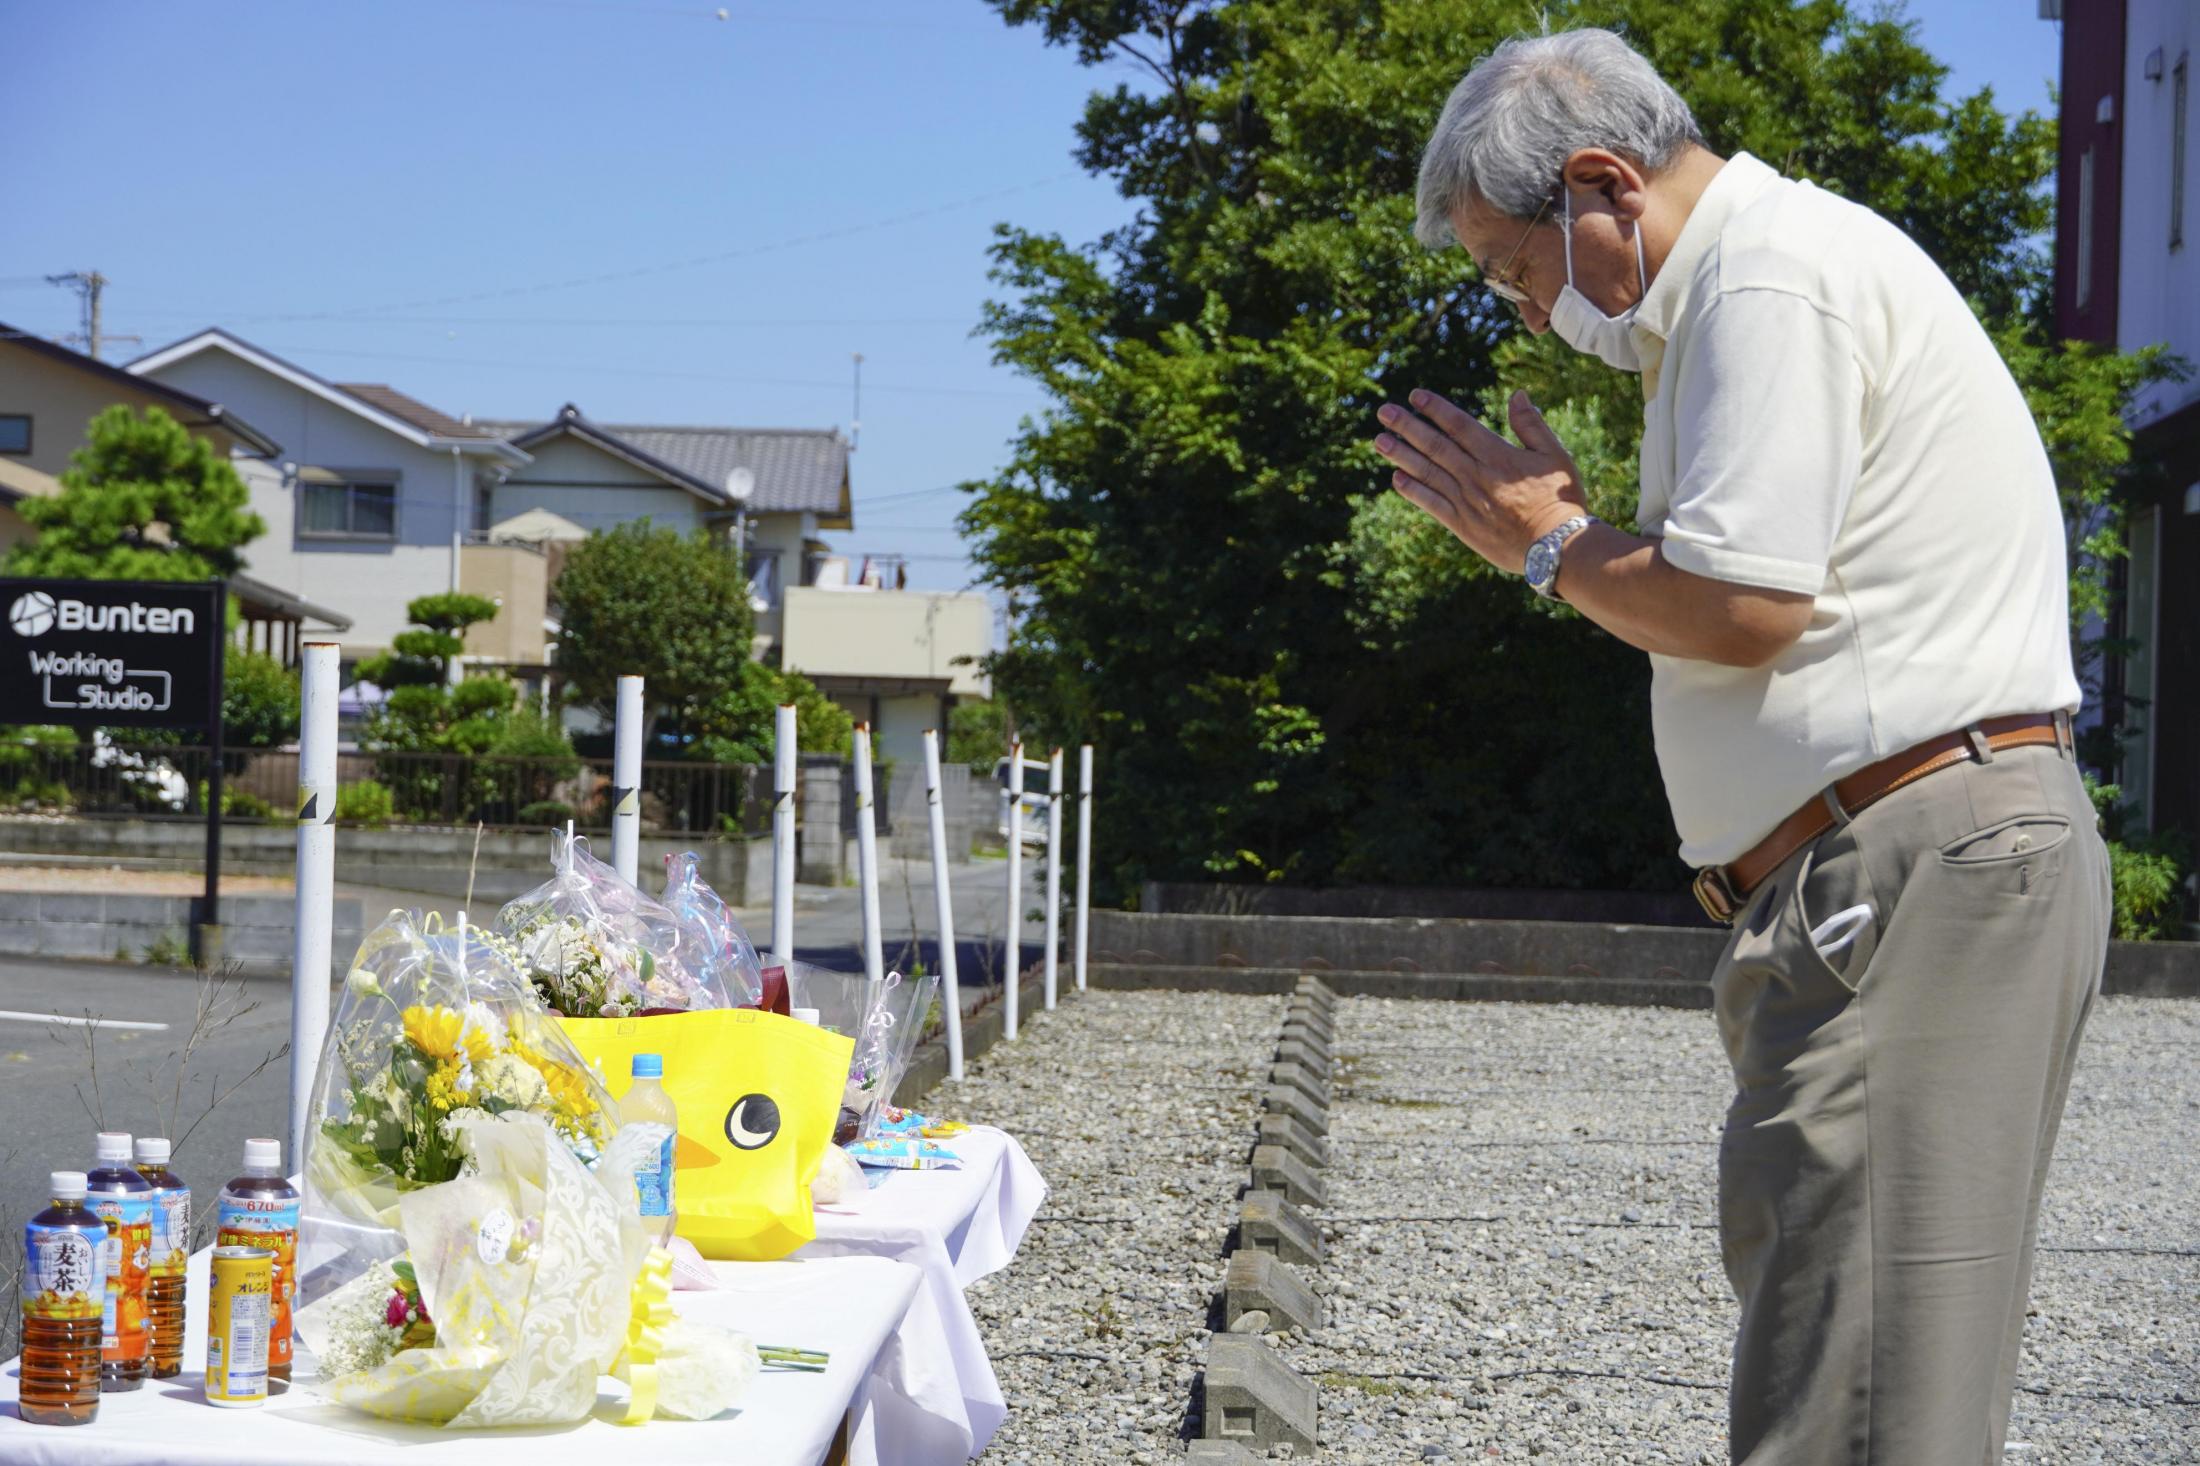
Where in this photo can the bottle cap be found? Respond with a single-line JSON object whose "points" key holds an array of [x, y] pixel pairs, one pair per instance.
{"points": [[259, 1153], [649, 1066], [67, 1185], [152, 1150], [114, 1145], [805, 1015]]}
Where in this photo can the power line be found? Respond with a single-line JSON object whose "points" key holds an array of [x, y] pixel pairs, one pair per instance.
{"points": [[708, 322], [695, 262], [664, 372]]}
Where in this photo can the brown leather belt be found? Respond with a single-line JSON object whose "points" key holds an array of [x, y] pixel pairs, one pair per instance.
{"points": [[1723, 890]]}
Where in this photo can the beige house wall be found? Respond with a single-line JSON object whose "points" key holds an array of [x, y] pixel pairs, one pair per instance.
{"points": [[517, 578], [62, 401], [888, 635]]}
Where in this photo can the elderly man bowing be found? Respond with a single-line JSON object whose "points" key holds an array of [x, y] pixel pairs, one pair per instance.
{"points": [[1851, 584]]}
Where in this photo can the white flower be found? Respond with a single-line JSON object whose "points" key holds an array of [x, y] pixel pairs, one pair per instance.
{"points": [[514, 1081], [354, 1333], [482, 1021], [362, 983]]}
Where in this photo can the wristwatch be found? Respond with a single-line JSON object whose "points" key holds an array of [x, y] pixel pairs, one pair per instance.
{"points": [[1544, 555]]}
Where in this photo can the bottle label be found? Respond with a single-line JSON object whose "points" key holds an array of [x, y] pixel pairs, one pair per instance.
{"points": [[124, 1258], [270, 1222], [655, 1182], [171, 1231], [61, 1274]]}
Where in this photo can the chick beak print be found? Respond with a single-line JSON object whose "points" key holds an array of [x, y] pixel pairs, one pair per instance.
{"points": [[757, 1096]]}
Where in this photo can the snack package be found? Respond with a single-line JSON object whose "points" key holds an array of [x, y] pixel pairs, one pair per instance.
{"points": [[596, 947], [433, 1025], [904, 1154], [715, 947]]}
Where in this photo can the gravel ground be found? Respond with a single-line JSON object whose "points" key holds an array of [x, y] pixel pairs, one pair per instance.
{"points": [[1139, 1110], [1522, 1259]]}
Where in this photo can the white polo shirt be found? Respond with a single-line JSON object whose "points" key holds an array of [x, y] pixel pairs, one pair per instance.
{"points": [[1825, 415]]}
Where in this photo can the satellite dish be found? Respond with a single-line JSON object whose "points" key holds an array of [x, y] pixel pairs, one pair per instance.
{"points": [[740, 484]]}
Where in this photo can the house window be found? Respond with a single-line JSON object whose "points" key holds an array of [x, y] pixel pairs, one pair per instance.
{"points": [[15, 432], [763, 567], [2177, 102], [336, 506]]}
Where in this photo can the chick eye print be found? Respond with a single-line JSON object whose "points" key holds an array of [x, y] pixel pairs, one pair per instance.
{"points": [[753, 1122]]}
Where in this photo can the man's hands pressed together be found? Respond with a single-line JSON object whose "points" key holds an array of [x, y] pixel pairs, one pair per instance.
{"points": [[1499, 499]]}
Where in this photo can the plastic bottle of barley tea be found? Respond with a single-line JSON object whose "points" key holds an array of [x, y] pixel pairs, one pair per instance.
{"points": [[63, 1300]]}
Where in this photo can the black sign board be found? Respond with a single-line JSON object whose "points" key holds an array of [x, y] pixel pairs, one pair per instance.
{"points": [[124, 653], [111, 653]]}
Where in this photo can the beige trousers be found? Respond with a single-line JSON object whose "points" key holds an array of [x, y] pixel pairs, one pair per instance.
{"points": [[1900, 1076]]}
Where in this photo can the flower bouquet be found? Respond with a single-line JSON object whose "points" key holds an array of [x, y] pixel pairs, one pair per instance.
{"points": [[432, 1025], [594, 946], [522, 1281]]}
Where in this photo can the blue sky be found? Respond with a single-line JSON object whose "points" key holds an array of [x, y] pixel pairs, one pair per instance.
{"points": [[500, 206]]}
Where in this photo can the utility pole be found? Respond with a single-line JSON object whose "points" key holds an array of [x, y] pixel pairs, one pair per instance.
{"points": [[855, 428], [88, 284]]}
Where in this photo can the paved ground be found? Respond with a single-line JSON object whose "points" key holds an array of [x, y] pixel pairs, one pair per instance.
{"points": [[1522, 1258]]}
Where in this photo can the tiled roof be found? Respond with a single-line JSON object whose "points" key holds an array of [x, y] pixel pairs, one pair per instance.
{"points": [[798, 470], [414, 411]]}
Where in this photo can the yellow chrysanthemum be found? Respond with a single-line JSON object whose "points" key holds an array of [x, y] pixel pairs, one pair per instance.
{"points": [[443, 1087], [568, 1086], [443, 1034]]}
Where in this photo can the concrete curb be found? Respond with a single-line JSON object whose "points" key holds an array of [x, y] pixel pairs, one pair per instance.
{"points": [[1253, 1401]]}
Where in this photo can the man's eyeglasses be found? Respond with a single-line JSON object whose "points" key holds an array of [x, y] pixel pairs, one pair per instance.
{"points": [[1501, 281]]}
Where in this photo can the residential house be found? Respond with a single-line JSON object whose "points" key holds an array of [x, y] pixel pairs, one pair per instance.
{"points": [[48, 398], [2127, 274], [370, 503], [895, 658]]}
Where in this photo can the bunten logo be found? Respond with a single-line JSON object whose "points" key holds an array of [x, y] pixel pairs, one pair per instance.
{"points": [[35, 613]]}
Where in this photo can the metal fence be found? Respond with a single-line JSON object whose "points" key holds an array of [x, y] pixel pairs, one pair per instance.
{"points": [[169, 782]]}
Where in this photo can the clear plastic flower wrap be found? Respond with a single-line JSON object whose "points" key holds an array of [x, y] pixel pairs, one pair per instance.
{"points": [[523, 1280], [431, 1022], [885, 1019], [714, 945], [595, 946]]}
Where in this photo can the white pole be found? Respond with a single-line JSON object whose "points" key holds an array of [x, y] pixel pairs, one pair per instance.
{"points": [[783, 856], [1084, 856], [626, 781], [874, 959], [316, 894], [1015, 922], [1054, 873], [944, 899]]}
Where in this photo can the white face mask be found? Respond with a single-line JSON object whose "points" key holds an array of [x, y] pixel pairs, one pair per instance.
{"points": [[1580, 324]]}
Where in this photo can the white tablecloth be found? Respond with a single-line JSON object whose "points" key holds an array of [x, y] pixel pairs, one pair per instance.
{"points": [[873, 1315], [957, 1226]]}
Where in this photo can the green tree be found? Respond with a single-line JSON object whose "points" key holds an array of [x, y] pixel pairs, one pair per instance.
{"points": [[672, 609], [1294, 678], [739, 725], [978, 731], [143, 499]]}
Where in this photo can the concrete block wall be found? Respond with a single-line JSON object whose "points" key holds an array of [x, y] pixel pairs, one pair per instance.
{"points": [[258, 932]]}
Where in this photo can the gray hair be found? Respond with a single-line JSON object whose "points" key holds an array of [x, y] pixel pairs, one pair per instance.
{"points": [[1512, 122]]}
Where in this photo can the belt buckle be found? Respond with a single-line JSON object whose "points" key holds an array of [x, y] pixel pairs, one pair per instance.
{"points": [[1716, 895]]}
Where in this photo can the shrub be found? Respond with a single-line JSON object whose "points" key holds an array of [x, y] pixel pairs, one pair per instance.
{"points": [[548, 812], [368, 802], [2148, 879]]}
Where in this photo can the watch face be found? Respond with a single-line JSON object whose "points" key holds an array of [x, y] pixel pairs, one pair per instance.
{"points": [[1542, 561]]}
